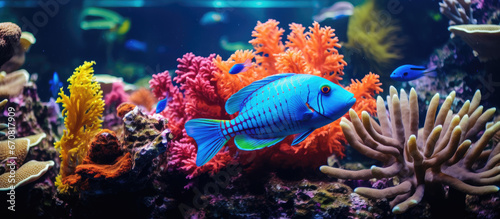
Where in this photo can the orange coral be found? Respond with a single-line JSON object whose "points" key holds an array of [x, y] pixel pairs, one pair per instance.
{"points": [[104, 148], [312, 52], [143, 97], [122, 165], [267, 43], [124, 108], [363, 92], [104, 159]]}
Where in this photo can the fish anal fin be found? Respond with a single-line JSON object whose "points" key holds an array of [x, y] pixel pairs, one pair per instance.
{"points": [[247, 143], [301, 137]]}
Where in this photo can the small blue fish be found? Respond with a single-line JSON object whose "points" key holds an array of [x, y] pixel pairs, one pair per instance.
{"points": [[412, 72], [336, 11], [240, 67], [270, 110], [162, 104], [55, 85], [136, 45], [213, 17]]}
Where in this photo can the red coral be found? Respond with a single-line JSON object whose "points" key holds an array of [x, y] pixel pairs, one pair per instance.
{"points": [[183, 157], [195, 76], [161, 85], [313, 52]]}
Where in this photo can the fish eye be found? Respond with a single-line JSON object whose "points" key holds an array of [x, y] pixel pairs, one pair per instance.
{"points": [[405, 74], [325, 89]]}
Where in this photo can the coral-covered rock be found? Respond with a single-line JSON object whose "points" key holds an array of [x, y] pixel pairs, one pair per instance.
{"points": [[10, 34], [124, 108], [279, 198], [121, 166], [104, 148]]}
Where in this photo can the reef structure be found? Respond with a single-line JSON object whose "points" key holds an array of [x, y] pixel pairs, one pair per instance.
{"points": [[449, 151], [96, 161], [205, 85]]}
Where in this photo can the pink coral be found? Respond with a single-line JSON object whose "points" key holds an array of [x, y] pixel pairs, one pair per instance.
{"points": [[198, 99], [183, 157], [207, 85], [116, 96]]}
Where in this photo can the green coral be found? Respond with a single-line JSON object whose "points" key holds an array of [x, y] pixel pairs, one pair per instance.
{"points": [[374, 38]]}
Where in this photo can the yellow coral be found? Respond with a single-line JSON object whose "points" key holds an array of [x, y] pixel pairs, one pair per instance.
{"points": [[83, 111], [374, 39]]}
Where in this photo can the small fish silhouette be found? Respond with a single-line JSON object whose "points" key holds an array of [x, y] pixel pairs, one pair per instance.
{"points": [[412, 72], [240, 67]]}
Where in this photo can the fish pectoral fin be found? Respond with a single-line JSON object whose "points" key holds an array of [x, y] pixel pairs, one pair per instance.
{"points": [[307, 116], [301, 137], [247, 143]]}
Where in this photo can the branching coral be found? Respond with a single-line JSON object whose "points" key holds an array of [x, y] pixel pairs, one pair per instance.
{"points": [[144, 98], [442, 153], [313, 52], [83, 111], [458, 11], [373, 40], [200, 99], [207, 85]]}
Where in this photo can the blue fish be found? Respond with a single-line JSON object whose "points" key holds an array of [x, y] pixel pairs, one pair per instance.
{"points": [[136, 45], [412, 72], [240, 67], [162, 104], [213, 17], [55, 85], [336, 11], [269, 110]]}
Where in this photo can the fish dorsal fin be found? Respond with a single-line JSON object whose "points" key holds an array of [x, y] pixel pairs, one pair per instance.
{"points": [[236, 101], [247, 143]]}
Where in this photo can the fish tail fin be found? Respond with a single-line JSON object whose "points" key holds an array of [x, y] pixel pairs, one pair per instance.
{"points": [[207, 134], [431, 72]]}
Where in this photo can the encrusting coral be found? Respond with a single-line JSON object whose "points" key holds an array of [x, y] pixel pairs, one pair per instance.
{"points": [[12, 84], [83, 111], [206, 85], [27, 173], [484, 39], [448, 151], [12, 156]]}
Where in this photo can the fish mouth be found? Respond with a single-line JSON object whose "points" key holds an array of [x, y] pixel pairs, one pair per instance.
{"points": [[351, 101]]}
